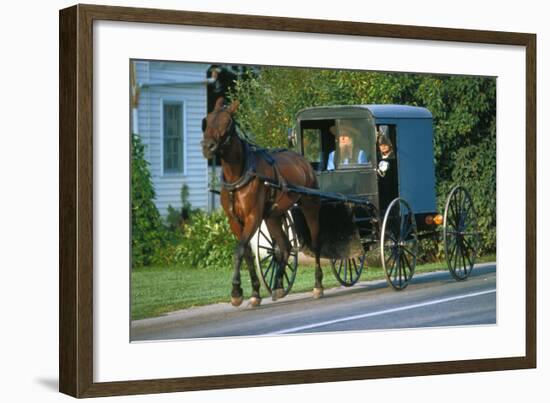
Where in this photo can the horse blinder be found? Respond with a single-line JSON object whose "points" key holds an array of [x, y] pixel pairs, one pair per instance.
{"points": [[213, 146]]}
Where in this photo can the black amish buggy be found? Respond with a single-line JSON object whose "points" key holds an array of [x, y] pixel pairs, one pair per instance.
{"points": [[375, 169]]}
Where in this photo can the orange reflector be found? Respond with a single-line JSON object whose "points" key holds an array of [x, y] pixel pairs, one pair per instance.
{"points": [[429, 220], [438, 219]]}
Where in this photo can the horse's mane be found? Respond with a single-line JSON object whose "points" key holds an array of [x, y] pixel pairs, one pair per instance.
{"points": [[247, 138]]}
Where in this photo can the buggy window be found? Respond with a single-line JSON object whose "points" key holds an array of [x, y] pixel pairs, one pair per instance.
{"points": [[316, 141], [321, 143], [311, 139], [353, 144]]}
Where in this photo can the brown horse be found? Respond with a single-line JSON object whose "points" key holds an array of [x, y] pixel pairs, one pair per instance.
{"points": [[247, 201]]}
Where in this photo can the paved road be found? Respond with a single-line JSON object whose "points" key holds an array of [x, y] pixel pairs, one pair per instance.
{"points": [[433, 299]]}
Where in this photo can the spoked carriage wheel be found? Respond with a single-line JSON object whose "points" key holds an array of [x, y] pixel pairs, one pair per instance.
{"points": [[348, 270], [399, 244], [460, 233], [265, 256]]}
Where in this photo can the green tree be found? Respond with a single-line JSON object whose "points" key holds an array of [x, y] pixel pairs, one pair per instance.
{"points": [[148, 232], [464, 111]]}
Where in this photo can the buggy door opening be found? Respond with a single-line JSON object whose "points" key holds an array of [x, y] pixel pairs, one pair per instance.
{"points": [[388, 185]]}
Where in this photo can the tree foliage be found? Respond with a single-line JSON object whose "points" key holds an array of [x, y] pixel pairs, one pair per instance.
{"points": [[463, 107], [148, 231]]}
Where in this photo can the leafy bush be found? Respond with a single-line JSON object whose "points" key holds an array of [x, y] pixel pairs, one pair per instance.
{"points": [[177, 218], [207, 242], [148, 232], [476, 171]]}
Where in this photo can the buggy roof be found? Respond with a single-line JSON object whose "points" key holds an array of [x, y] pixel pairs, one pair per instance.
{"points": [[398, 111], [376, 111]]}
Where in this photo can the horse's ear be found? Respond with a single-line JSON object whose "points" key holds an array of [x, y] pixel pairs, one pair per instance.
{"points": [[219, 104], [234, 106]]}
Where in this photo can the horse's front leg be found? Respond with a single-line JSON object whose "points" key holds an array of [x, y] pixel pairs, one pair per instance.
{"points": [[243, 250], [255, 299], [237, 291]]}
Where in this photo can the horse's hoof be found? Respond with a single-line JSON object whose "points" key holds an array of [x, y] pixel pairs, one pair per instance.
{"points": [[237, 301], [277, 294], [254, 302], [318, 293]]}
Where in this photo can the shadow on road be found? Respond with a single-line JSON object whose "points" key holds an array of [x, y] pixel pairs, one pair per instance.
{"points": [[373, 287]]}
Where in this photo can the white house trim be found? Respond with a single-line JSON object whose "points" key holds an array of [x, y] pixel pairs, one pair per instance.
{"points": [[135, 121], [183, 101], [173, 84]]}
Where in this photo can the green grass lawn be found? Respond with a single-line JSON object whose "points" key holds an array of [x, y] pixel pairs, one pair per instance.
{"points": [[158, 290]]}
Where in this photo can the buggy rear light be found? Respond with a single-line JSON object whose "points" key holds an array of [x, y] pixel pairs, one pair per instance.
{"points": [[433, 220]]}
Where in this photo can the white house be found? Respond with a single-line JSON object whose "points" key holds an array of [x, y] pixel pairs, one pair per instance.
{"points": [[169, 101]]}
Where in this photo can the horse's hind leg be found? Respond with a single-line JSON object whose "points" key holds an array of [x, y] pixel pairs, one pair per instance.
{"points": [[311, 207], [281, 252]]}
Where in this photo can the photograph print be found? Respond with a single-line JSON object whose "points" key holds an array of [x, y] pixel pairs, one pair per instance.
{"points": [[270, 200]]}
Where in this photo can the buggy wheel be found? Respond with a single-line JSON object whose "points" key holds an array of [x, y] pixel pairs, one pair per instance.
{"points": [[348, 270], [265, 252], [399, 244], [460, 233]]}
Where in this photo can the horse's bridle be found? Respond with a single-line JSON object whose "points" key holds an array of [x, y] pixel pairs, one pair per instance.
{"points": [[228, 133]]}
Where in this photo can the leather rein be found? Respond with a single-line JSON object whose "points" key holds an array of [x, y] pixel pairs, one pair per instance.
{"points": [[249, 171]]}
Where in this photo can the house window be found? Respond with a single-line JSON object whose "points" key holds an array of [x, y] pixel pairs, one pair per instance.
{"points": [[173, 137]]}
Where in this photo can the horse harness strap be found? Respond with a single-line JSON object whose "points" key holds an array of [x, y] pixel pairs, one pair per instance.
{"points": [[283, 186], [250, 173]]}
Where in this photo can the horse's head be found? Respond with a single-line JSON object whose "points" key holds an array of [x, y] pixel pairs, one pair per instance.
{"points": [[218, 127]]}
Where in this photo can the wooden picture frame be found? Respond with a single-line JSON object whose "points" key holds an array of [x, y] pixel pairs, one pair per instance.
{"points": [[76, 256]]}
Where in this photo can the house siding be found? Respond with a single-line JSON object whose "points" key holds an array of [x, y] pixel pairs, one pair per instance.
{"points": [[194, 98]]}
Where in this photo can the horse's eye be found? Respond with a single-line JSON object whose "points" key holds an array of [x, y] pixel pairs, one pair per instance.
{"points": [[203, 124]]}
